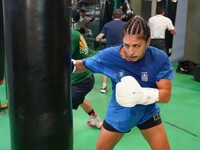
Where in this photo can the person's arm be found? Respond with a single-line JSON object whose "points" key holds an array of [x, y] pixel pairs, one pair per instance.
{"points": [[87, 21], [129, 92], [100, 36], [78, 66], [171, 27], [164, 88], [173, 31]]}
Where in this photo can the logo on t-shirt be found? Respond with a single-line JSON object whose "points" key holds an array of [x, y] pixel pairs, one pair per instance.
{"points": [[121, 73], [83, 46], [144, 76]]}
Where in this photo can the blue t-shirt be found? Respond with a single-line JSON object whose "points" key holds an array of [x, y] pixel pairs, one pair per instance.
{"points": [[113, 32], [155, 65]]}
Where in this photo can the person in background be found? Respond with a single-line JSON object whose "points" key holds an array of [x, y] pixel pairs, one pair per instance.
{"points": [[141, 77], [112, 31], [82, 83], [82, 24], [158, 25]]}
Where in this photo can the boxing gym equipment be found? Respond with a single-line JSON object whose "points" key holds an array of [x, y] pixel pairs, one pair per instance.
{"points": [[128, 12], [161, 3], [106, 9], [37, 41], [75, 14], [196, 73], [2, 55], [170, 12], [2, 51], [186, 67], [129, 93]]}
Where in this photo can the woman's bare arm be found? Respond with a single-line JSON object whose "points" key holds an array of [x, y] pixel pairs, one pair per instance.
{"points": [[79, 66], [164, 87]]}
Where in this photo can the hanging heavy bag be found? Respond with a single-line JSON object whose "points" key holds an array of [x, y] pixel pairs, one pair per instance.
{"points": [[186, 67], [196, 73], [2, 50], [128, 12], [106, 9], [2, 62], [74, 14]]}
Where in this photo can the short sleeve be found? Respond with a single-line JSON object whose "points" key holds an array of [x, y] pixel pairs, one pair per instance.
{"points": [[166, 71]]}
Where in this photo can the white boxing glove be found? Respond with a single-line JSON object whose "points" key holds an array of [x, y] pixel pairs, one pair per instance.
{"points": [[129, 93]]}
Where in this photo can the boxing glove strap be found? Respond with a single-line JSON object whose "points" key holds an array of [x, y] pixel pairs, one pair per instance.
{"points": [[151, 95], [73, 65]]}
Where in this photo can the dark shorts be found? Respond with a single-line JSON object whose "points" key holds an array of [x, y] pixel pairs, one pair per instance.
{"points": [[159, 43], [152, 122], [80, 90]]}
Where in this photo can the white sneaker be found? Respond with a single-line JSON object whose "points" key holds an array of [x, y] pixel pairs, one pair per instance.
{"points": [[95, 121], [103, 89]]}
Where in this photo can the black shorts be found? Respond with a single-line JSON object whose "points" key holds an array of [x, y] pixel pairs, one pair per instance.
{"points": [[159, 43], [80, 90], [152, 122]]}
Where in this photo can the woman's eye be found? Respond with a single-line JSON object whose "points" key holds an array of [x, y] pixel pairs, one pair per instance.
{"points": [[136, 46], [127, 46]]}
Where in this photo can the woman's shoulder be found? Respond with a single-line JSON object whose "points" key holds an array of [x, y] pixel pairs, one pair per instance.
{"points": [[109, 53], [156, 52]]}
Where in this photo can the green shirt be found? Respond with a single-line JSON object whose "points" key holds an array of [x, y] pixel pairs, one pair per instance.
{"points": [[80, 50]]}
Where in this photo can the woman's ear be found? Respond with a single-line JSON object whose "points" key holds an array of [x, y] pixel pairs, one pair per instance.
{"points": [[148, 41]]}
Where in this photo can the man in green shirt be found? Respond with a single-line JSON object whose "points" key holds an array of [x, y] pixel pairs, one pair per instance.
{"points": [[82, 83]]}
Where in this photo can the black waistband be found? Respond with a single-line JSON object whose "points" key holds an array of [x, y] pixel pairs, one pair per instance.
{"points": [[157, 39]]}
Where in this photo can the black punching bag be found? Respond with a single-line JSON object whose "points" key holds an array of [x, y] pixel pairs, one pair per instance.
{"points": [[106, 9], [128, 12], [2, 51], [37, 44], [170, 12], [161, 3]]}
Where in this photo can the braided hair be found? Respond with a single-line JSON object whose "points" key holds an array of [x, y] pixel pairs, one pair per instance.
{"points": [[137, 26]]}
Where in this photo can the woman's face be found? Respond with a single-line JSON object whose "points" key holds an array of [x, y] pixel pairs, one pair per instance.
{"points": [[134, 47]]}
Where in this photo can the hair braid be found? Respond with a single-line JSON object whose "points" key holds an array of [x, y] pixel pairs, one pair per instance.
{"points": [[137, 26]]}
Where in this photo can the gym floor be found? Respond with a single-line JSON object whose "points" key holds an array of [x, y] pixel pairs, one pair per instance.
{"points": [[180, 117]]}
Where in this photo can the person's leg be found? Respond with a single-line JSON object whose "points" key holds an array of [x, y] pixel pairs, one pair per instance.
{"points": [[156, 137], [107, 139], [95, 120], [104, 85], [79, 91], [105, 79], [86, 106]]}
